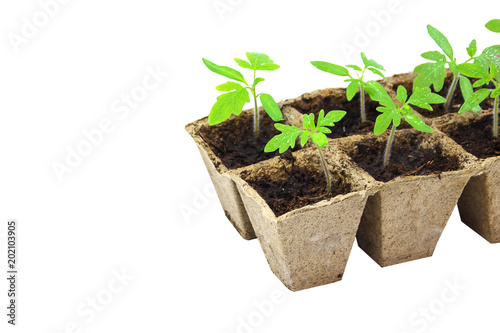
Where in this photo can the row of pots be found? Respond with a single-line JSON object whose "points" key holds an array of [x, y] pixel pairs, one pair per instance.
{"points": [[394, 221]]}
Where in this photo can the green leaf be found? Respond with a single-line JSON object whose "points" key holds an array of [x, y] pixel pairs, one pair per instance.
{"points": [[268, 67], [434, 55], [472, 49], [453, 67], [489, 56], [352, 89], [243, 63], [320, 139], [493, 25], [423, 97], [330, 68], [331, 118], [229, 86], [261, 61], [224, 71], [258, 80], [382, 123], [304, 137], [227, 104], [418, 123], [308, 121], [402, 94], [376, 72], [355, 67], [441, 41], [285, 140], [467, 91], [378, 93], [430, 73], [481, 82], [495, 93], [325, 130], [472, 70], [493, 70], [370, 62], [271, 107], [474, 100]]}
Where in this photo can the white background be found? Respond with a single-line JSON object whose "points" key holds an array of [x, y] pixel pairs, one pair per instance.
{"points": [[119, 209]]}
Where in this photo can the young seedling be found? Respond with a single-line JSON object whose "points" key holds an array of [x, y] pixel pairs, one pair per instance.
{"points": [[316, 132], [392, 113], [237, 96], [357, 83], [486, 76], [493, 25], [434, 73]]}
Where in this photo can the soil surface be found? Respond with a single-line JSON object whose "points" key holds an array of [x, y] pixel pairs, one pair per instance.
{"points": [[300, 189], [351, 123], [234, 142], [455, 104], [476, 138], [407, 158]]}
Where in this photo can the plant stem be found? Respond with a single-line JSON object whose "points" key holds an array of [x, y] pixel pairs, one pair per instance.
{"points": [[255, 116], [387, 154], [325, 169], [495, 118], [451, 92], [256, 108], [362, 98]]}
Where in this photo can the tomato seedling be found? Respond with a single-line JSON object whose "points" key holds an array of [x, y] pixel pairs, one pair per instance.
{"points": [[355, 83], [237, 95], [316, 132], [392, 113], [434, 73]]}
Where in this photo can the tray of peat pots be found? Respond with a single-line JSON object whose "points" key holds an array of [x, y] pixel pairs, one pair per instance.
{"points": [[420, 174], [230, 138], [479, 205], [305, 206]]}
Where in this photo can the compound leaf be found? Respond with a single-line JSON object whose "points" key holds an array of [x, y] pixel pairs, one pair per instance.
{"points": [[227, 104], [285, 140], [430, 73]]}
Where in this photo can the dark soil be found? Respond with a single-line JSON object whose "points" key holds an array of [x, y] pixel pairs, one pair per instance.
{"points": [[456, 102], [407, 158], [234, 142], [476, 138], [300, 189], [351, 123]]}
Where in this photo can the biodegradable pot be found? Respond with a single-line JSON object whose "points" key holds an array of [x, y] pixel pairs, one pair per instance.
{"points": [[479, 205], [309, 246], [404, 219], [225, 188]]}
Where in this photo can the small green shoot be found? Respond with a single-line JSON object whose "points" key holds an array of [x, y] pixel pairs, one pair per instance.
{"points": [[237, 95], [434, 73], [357, 83], [493, 25], [316, 132], [487, 71], [392, 113]]}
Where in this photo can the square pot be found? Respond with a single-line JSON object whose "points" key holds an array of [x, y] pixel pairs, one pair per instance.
{"points": [[404, 219], [308, 246], [479, 205], [225, 188]]}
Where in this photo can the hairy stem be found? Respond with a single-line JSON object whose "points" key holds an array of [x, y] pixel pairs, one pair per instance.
{"points": [[255, 116], [325, 169], [387, 154], [362, 98], [495, 118], [451, 92]]}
